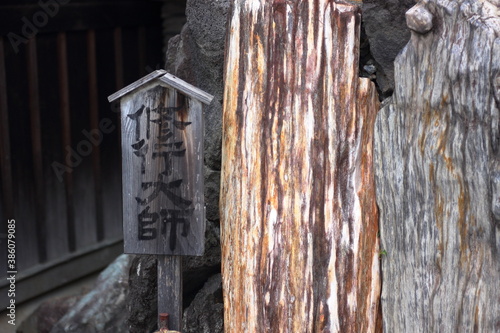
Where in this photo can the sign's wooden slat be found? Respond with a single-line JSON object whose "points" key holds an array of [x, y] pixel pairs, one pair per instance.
{"points": [[162, 156]]}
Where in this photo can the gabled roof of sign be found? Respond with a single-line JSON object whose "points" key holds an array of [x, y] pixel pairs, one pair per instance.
{"points": [[168, 79]]}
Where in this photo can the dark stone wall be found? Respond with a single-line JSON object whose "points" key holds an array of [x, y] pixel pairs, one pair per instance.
{"points": [[386, 31]]}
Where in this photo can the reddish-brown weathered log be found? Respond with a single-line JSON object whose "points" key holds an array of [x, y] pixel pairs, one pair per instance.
{"points": [[298, 213]]}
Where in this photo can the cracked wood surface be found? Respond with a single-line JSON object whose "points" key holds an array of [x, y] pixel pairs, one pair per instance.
{"points": [[298, 212], [437, 173]]}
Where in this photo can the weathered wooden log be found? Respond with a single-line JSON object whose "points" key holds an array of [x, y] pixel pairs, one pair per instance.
{"points": [[298, 215], [437, 171]]}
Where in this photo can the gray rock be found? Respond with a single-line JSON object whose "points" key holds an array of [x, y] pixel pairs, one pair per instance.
{"points": [[197, 56], [370, 69], [436, 164], [174, 18], [212, 191], [196, 270], [48, 314], [206, 312], [385, 27], [142, 297], [103, 308], [419, 19]]}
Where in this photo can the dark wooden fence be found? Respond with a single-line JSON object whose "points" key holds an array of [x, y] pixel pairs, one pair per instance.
{"points": [[59, 140]]}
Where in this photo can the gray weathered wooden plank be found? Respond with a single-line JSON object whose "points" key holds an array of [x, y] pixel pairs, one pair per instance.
{"points": [[436, 159], [170, 290], [162, 159]]}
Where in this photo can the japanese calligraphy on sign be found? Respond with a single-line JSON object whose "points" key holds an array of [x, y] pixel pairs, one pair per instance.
{"points": [[162, 162]]}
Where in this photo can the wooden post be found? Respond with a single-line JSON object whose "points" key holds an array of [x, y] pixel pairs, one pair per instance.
{"points": [[170, 290], [438, 173], [298, 214], [162, 163]]}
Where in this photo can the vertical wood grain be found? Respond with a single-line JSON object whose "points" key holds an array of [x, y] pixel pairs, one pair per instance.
{"points": [[182, 180], [81, 147], [5, 157], [36, 144], [298, 214], [117, 42], [66, 135], [7, 192], [94, 125], [141, 43], [54, 194], [170, 290], [438, 175]]}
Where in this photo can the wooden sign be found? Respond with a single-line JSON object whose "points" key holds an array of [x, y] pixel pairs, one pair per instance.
{"points": [[162, 165]]}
